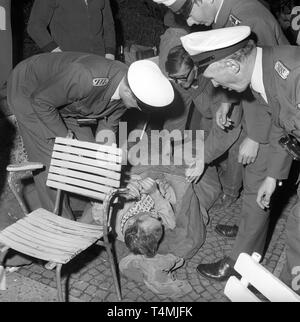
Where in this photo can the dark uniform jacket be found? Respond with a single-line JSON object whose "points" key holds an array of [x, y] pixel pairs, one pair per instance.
{"points": [[74, 26], [263, 24], [253, 14], [268, 32], [61, 85], [281, 77]]}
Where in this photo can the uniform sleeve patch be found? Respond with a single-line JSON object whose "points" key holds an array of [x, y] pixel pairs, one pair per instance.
{"points": [[100, 81], [282, 70], [234, 20]]}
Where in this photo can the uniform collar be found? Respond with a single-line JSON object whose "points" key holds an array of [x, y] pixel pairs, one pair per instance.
{"points": [[223, 14], [218, 12], [257, 82], [116, 95]]}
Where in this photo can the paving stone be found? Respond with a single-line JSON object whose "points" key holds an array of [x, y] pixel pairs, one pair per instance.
{"points": [[105, 286], [194, 282], [87, 277], [48, 274], [132, 296], [148, 296], [25, 272], [211, 290], [93, 272], [37, 269], [53, 284], [131, 285], [45, 281], [199, 289], [194, 296], [35, 276], [80, 285], [86, 298], [74, 292], [91, 290]]}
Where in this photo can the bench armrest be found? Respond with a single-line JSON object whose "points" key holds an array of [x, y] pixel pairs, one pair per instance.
{"points": [[25, 166]]}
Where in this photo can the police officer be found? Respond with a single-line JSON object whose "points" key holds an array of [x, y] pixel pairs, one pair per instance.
{"points": [[232, 61], [48, 93], [220, 14]]}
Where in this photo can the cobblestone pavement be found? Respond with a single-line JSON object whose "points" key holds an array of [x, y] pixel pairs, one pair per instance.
{"points": [[88, 276]]}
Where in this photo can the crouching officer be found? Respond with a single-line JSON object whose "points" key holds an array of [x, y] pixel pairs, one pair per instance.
{"points": [[48, 93], [229, 59]]}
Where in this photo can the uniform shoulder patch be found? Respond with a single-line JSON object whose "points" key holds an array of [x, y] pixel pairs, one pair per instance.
{"points": [[100, 81], [281, 70], [234, 20]]}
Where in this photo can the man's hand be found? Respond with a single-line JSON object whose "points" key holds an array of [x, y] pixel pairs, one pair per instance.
{"points": [[71, 135], [110, 56], [148, 185], [221, 116], [135, 188], [194, 171], [265, 192], [248, 151]]}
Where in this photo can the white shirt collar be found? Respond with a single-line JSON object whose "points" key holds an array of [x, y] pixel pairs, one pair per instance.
{"points": [[257, 82], [116, 95], [218, 12]]}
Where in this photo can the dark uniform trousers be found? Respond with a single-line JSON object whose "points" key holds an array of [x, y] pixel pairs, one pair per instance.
{"points": [[254, 221]]}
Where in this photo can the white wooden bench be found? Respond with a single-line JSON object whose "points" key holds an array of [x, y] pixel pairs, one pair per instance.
{"points": [[258, 276]]}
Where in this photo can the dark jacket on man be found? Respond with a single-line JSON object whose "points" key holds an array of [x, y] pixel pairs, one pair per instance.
{"points": [[74, 25]]}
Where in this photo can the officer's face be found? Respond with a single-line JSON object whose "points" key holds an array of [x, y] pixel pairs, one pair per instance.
{"points": [[226, 76], [202, 13]]}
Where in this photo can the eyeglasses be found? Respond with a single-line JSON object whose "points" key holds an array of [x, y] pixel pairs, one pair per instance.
{"points": [[182, 79]]}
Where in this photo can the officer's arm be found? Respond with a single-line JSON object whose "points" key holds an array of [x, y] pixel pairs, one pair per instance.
{"points": [[258, 121], [109, 29], [218, 140], [40, 17], [67, 86], [279, 162]]}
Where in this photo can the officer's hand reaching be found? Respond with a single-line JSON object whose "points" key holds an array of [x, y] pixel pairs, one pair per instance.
{"points": [[265, 192], [221, 116], [194, 171], [71, 135], [248, 151]]}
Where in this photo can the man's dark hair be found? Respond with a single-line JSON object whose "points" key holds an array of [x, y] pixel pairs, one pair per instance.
{"points": [[140, 242], [176, 58]]}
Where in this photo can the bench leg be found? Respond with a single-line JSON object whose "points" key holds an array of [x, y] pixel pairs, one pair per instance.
{"points": [[114, 273], [58, 283]]}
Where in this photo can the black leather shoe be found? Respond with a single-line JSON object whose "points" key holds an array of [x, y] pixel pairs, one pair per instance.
{"points": [[228, 231], [218, 271], [225, 201]]}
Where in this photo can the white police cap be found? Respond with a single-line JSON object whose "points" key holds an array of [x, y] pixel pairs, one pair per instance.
{"points": [[183, 7], [149, 85], [206, 47]]}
